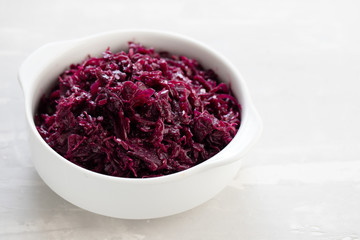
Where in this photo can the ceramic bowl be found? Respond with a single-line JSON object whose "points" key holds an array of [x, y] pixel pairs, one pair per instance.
{"points": [[130, 198]]}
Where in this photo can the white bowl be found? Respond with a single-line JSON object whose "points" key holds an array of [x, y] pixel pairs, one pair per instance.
{"points": [[125, 197]]}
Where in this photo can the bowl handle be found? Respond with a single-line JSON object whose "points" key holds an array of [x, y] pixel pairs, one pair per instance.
{"points": [[249, 136], [36, 61]]}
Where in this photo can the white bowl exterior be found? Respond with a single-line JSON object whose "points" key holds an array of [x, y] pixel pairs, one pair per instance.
{"points": [[133, 198], [128, 199]]}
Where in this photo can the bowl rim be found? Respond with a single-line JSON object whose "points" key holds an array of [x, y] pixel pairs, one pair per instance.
{"points": [[213, 162]]}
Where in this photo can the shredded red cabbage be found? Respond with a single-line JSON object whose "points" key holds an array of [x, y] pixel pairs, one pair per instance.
{"points": [[138, 113]]}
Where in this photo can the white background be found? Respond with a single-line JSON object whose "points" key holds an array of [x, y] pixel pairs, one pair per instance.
{"points": [[301, 61]]}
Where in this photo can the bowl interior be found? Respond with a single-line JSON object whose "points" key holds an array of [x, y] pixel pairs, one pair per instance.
{"points": [[76, 51]]}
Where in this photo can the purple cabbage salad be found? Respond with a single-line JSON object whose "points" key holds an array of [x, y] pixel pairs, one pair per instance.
{"points": [[138, 114]]}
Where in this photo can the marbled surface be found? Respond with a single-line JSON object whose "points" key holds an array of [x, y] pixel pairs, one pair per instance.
{"points": [[301, 60]]}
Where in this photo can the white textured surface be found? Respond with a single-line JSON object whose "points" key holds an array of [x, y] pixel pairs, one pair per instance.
{"points": [[301, 60]]}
